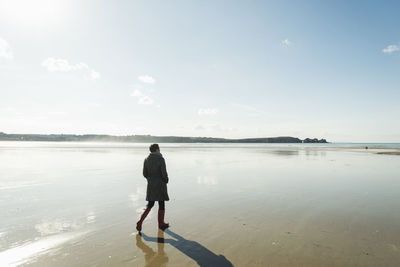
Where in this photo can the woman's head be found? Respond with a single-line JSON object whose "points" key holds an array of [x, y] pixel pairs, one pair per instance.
{"points": [[154, 148]]}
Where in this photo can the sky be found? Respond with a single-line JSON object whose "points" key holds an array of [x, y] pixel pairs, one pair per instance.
{"points": [[233, 69]]}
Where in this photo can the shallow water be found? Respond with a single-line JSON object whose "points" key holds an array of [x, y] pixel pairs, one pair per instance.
{"points": [[66, 204]]}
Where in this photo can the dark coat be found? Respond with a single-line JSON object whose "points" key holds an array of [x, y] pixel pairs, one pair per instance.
{"points": [[155, 171]]}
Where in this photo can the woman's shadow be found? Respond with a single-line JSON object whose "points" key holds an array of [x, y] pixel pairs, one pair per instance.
{"points": [[192, 249]]}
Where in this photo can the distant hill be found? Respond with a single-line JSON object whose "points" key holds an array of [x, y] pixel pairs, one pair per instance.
{"points": [[148, 139]]}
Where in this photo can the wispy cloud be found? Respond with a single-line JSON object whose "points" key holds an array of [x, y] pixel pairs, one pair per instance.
{"points": [[142, 98], [390, 49], [207, 111], [136, 92], [213, 128], [250, 109], [62, 65], [145, 100], [286, 42], [147, 79], [5, 50], [199, 127]]}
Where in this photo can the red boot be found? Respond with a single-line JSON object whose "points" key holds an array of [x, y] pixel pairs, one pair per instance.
{"points": [[161, 224], [142, 217]]}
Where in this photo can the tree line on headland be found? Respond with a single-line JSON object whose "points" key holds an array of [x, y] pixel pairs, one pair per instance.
{"points": [[148, 139]]}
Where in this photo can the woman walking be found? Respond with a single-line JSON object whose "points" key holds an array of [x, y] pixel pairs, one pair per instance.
{"points": [[155, 171]]}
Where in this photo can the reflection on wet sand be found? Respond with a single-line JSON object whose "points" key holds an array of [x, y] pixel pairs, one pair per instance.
{"points": [[285, 152], [192, 249], [29, 251], [152, 258]]}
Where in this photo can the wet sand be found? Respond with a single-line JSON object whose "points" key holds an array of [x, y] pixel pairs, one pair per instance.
{"points": [[71, 205], [389, 152]]}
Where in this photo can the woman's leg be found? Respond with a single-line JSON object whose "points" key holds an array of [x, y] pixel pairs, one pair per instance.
{"points": [[150, 204], [161, 205], [144, 215], [161, 213]]}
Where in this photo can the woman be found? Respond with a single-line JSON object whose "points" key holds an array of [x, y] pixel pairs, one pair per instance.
{"points": [[155, 171]]}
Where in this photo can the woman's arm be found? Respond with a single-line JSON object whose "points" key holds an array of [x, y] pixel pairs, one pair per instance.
{"points": [[145, 174], [164, 171]]}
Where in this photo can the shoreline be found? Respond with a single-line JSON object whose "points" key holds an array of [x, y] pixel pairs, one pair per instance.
{"points": [[107, 144]]}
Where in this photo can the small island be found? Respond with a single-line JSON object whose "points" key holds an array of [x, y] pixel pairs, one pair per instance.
{"points": [[149, 139]]}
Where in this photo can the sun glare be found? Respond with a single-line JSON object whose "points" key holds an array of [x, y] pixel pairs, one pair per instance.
{"points": [[33, 14]]}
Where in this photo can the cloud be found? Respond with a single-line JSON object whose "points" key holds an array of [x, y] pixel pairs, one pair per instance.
{"points": [[137, 93], [5, 50], [145, 100], [199, 127], [147, 79], [94, 75], [142, 98], [214, 128], [62, 65], [286, 42], [390, 49], [207, 111]]}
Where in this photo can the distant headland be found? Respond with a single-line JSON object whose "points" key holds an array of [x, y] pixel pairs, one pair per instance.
{"points": [[149, 139]]}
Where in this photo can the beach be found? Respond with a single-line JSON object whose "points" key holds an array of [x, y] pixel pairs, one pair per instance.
{"points": [[76, 204]]}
